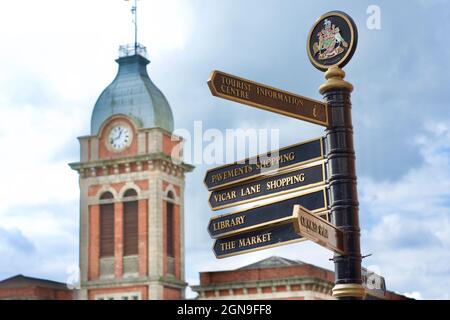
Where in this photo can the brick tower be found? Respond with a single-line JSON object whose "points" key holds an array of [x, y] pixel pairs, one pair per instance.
{"points": [[131, 191]]}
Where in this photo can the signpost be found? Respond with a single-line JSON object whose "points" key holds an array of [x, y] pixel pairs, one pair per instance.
{"points": [[331, 44], [251, 168], [261, 215], [318, 230], [268, 237], [295, 179], [297, 173], [264, 97]]}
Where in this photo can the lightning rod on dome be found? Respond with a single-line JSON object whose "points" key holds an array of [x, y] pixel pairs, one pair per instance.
{"points": [[136, 48]]}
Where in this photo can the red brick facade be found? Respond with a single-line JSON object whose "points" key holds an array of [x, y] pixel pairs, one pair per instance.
{"points": [[118, 239], [94, 242], [306, 270], [273, 278], [26, 288], [95, 293], [143, 237], [172, 293]]}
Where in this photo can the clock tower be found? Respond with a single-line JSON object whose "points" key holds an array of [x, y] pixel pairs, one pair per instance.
{"points": [[131, 178]]}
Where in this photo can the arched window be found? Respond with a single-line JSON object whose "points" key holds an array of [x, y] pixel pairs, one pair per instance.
{"points": [[170, 225], [130, 193], [107, 226], [130, 223], [106, 196]]}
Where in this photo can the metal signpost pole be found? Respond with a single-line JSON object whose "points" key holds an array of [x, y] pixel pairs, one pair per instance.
{"points": [[331, 44], [340, 156]]}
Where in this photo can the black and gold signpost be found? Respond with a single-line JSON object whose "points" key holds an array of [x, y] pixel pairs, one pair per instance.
{"points": [[311, 186], [295, 179], [263, 238], [317, 229], [247, 169], [331, 44], [259, 216], [264, 97]]}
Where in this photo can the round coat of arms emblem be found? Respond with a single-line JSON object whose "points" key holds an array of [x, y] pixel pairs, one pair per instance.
{"points": [[332, 40]]}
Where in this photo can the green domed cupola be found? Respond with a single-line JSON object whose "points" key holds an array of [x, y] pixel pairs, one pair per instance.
{"points": [[133, 94]]}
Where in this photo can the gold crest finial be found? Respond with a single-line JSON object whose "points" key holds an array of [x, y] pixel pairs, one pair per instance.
{"points": [[335, 80]]}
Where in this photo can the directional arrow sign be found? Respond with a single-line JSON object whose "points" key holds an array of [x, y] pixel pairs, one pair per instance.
{"points": [[264, 238], [318, 230], [251, 168], [263, 215], [296, 179], [257, 95]]}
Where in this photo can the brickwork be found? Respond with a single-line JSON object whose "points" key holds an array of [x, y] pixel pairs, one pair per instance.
{"points": [[143, 237], [272, 278], [172, 294], [104, 170], [264, 274], [94, 242], [104, 292], [26, 288], [118, 239], [35, 293], [170, 146]]}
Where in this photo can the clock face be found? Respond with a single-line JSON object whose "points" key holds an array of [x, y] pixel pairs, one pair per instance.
{"points": [[119, 137]]}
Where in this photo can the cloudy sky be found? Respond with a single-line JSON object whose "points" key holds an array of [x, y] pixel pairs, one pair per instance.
{"points": [[57, 56]]}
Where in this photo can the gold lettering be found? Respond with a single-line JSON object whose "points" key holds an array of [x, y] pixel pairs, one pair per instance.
{"points": [[225, 196], [258, 239], [229, 223], [231, 173], [228, 245], [314, 227], [276, 160], [251, 190], [285, 182], [278, 95], [235, 87]]}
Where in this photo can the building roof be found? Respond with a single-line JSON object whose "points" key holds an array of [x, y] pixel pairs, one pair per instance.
{"points": [[272, 262], [262, 272], [278, 262], [133, 94], [21, 281]]}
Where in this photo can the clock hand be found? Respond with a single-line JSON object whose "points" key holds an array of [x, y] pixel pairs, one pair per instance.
{"points": [[114, 139]]}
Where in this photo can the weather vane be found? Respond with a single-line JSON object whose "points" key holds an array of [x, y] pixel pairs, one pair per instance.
{"points": [[134, 13]]}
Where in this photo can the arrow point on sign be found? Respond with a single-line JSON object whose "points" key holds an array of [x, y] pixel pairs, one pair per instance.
{"points": [[205, 179], [209, 227], [214, 250], [296, 217], [210, 204], [332, 239], [211, 83]]}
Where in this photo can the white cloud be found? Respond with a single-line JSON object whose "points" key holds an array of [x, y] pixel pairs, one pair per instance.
{"points": [[415, 295], [35, 170], [409, 229]]}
